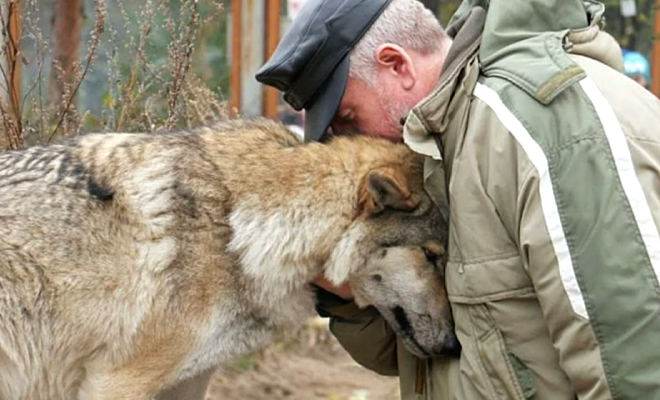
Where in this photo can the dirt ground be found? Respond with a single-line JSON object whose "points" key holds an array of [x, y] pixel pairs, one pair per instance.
{"points": [[310, 365]]}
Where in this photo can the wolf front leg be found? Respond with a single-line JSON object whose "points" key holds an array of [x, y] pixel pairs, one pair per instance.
{"points": [[141, 379], [191, 389], [123, 384]]}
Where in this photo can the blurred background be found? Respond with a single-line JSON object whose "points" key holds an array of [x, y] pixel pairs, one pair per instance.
{"points": [[75, 66]]}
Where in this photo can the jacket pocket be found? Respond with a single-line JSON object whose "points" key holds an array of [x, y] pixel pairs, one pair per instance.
{"points": [[489, 368], [498, 369], [524, 376]]}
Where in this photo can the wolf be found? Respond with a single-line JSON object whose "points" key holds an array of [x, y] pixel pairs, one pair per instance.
{"points": [[133, 265]]}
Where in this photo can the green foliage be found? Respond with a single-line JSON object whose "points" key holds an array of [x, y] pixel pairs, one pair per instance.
{"points": [[635, 33], [447, 9]]}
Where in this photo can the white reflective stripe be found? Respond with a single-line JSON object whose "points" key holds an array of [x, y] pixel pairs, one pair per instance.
{"points": [[548, 203], [626, 169]]}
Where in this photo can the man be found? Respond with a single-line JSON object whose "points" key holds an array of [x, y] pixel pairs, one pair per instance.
{"points": [[548, 161], [637, 68]]}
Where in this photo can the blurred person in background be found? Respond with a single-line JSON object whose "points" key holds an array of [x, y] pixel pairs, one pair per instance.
{"points": [[637, 67]]}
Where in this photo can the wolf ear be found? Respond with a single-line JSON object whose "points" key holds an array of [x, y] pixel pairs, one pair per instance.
{"points": [[386, 188]]}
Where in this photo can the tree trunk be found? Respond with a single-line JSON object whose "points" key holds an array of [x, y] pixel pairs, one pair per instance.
{"points": [[5, 138], [10, 106], [67, 24]]}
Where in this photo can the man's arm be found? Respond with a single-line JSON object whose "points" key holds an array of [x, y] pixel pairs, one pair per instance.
{"points": [[570, 328], [364, 333], [583, 235]]}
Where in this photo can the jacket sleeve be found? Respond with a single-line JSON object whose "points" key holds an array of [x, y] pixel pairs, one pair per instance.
{"points": [[363, 333], [583, 218], [583, 245], [570, 329]]}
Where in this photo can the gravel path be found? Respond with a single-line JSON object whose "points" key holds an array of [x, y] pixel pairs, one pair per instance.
{"points": [[310, 366]]}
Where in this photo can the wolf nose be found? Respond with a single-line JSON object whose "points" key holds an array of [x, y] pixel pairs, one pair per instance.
{"points": [[451, 347]]}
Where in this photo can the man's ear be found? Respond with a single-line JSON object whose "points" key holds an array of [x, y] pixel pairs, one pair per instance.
{"points": [[397, 61], [386, 188]]}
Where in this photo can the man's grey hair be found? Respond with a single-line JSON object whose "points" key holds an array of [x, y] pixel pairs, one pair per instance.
{"points": [[406, 23]]}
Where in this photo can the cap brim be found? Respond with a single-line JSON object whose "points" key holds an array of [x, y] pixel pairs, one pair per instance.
{"points": [[323, 109]]}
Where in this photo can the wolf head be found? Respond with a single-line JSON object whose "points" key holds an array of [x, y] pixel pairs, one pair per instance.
{"points": [[393, 256]]}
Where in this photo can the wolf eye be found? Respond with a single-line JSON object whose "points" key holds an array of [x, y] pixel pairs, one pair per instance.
{"points": [[377, 277], [431, 256]]}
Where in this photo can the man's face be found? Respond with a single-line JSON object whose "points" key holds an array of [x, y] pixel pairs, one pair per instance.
{"points": [[375, 109], [402, 79]]}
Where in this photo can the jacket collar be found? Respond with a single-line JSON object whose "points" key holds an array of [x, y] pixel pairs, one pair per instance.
{"points": [[432, 126]]}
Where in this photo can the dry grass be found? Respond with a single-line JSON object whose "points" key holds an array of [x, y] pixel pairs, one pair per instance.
{"points": [[146, 92], [308, 364]]}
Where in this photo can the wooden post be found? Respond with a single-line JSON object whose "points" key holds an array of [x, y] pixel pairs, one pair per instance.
{"points": [[236, 55], [273, 19], [13, 50], [10, 120], [655, 62], [66, 33]]}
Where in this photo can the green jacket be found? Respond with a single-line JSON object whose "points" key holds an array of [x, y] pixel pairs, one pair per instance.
{"points": [[548, 160]]}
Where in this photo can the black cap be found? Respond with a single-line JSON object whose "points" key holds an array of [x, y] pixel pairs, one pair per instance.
{"points": [[310, 64]]}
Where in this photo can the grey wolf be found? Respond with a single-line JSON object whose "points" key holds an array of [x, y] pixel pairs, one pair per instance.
{"points": [[132, 265]]}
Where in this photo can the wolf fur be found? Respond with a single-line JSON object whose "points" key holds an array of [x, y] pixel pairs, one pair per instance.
{"points": [[132, 265]]}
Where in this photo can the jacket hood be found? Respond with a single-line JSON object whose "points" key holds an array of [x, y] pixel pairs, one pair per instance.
{"points": [[527, 42]]}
